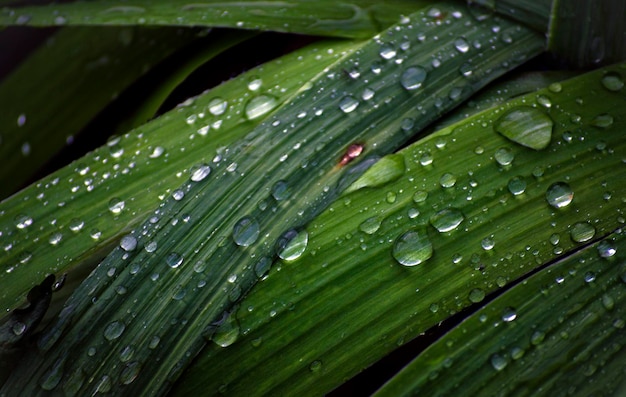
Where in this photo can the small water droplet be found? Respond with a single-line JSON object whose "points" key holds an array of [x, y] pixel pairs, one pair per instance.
{"points": [[281, 191], [498, 362], [544, 101], [76, 225], [295, 246], [387, 52], [315, 366], [114, 330], [156, 152], [260, 106], [420, 196], [606, 249], [154, 342], [55, 238], [504, 156], [255, 83], [461, 45], [413, 77], [612, 81], [602, 121], [526, 126], [217, 106], [104, 385], [227, 332], [52, 377], [559, 195], [447, 219], [116, 205], [447, 180], [262, 267], [130, 373], [128, 243], [476, 295], [509, 314], [582, 231], [348, 104], [178, 194], [412, 248], [487, 243], [18, 328], [517, 185], [370, 225], [23, 221], [246, 231], [537, 337], [200, 172]]}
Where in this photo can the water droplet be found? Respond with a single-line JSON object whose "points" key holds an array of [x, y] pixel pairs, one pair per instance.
{"points": [[114, 330], [128, 243], [23, 221], [498, 362], [255, 83], [315, 366], [602, 121], [447, 220], [420, 196], [295, 246], [200, 172], [606, 249], [217, 106], [262, 267], [412, 248], [55, 238], [559, 195], [348, 104], [517, 185], [95, 234], [367, 94], [537, 337], [526, 126], [517, 353], [476, 295], [53, 376], [281, 191], [76, 225], [387, 52], [174, 260], [246, 231], [154, 342], [260, 106], [413, 77], [612, 81], [130, 373], [227, 332], [509, 314], [544, 101], [582, 231], [487, 243], [504, 156], [370, 225], [178, 194], [116, 205], [156, 152], [105, 384], [18, 328], [608, 302], [447, 180], [461, 45]]}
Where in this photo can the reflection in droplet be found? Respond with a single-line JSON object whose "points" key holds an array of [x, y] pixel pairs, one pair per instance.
{"points": [[559, 195], [412, 248]]}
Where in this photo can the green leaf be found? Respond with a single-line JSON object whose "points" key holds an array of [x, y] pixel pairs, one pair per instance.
{"points": [[493, 211], [560, 330], [79, 211], [353, 19], [215, 230], [47, 100]]}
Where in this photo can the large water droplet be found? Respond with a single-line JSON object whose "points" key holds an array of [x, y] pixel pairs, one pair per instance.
{"points": [[476, 295], [606, 249], [412, 248], [461, 45], [246, 231], [227, 332], [582, 231], [200, 172], [295, 247], [447, 219], [259, 106], [526, 126], [559, 195], [114, 330], [22, 221], [413, 77], [348, 104], [128, 243], [504, 156], [116, 205], [174, 260], [612, 81], [517, 185], [217, 106]]}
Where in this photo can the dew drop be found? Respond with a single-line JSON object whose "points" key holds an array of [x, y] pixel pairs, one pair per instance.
{"points": [[412, 248], [255, 83], [612, 81], [200, 172], [447, 180], [602, 121], [559, 195], [348, 104], [281, 191], [447, 220], [130, 373], [116, 205], [420, 196], [128, 243], [606, 249], [156, 152], [498, 362], [526, 126], [246, 231], [387, 52], [461, 45], [217, 106], [370, 225], [174, 260], [509, 314], [114, 330], [295, 247], [413, 77], [476, 295], [315, 366], [517, 185], [487, 243], [260, 106], [582, 231], [262, 267], [76, 225], [55, 238], [227, 332], [504, 156], [178, 194], [23, 221]]}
